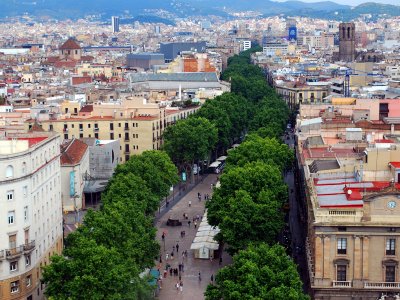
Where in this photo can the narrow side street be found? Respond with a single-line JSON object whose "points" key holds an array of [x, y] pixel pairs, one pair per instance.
{"points": [[193, 288], [297, 221]]}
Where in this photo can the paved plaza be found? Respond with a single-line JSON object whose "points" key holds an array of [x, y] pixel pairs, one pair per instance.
{"points": [[193, 288]]}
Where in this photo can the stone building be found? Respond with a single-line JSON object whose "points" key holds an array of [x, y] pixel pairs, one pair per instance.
{"points": [[347, 42]]}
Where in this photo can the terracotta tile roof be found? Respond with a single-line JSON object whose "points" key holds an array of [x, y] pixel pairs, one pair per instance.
{"points": [[72, 152], [70, 44], [87, 108]]}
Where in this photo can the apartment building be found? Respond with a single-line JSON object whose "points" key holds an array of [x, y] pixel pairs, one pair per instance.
{"points": [[31, 225], [352, 182], [296, 93], [137, 125]]}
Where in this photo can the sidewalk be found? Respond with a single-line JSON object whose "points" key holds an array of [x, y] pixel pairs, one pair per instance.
{"points": [[193, 289]]}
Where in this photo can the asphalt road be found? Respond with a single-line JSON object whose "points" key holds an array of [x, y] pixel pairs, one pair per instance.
{"points": [[296, 220]]}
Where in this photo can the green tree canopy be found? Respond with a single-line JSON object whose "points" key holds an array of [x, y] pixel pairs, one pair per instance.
{"points": [[252, 178], [190, 140], [247, 221], [259, 272], [155, 168], [256, 148], [91, 271]]}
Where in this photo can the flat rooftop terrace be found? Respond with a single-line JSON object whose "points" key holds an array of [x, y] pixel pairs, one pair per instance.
{"points": [[346, 192]]}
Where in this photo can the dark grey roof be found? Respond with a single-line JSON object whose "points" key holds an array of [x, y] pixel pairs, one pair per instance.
{"points": [[192, 77], [322, 165], [314, 140]]}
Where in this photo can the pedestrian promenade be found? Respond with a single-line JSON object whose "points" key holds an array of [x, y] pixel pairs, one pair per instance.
{"points": [[193, 288]]}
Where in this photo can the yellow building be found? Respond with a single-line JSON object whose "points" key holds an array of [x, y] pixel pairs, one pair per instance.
{"points": [[96, 70], [296, 94], [136, 124]]}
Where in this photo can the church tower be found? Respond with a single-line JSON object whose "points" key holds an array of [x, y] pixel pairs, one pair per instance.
{"points": [[347, 39]]}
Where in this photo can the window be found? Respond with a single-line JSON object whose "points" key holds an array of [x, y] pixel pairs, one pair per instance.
{"points": [[24, 168], [342, 246], [28, 280], [14, 287], [25, 190], [26, 213], [111, 126], [11, 217], [390, 273], [10, 195], [341, 272], [111, 136], [27, 260], [391, 247], [9, 171], [14, 266]]}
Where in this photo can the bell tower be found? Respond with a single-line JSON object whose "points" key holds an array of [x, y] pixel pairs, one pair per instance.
{"points": [[347, 39]]}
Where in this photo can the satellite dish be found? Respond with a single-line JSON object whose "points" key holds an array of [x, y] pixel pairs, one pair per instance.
{"points": [[349, 192]]}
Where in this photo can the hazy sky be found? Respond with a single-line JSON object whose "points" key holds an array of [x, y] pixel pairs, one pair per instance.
{"points": [[354, 2]]}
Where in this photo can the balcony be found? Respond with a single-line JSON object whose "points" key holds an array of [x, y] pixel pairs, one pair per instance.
{"points": [[341, 284], [382, 285], [65, 130], [96, 129], [2, 255], [14, 253], [126, 128], [28, 248]]}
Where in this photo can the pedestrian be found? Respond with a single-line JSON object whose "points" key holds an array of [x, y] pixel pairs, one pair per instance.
{"points": [[212, 186], [190, 203], [220, 260], [205, 196], [160, 260], [182, 267], [181, 286], [183, 254], [189, 223], [167, 203], [166, 256], [180, 277], [212, 278], [199, 276], [170, 272], [177, 247], [165, 273], [195, 225], [172, 255], [177, 286]]}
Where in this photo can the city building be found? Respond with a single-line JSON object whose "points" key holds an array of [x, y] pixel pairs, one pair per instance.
{"points": [[144, 60], [31, 225], [115, 24], [74, 162], [137, 125], [172, 50], [347, 38]]}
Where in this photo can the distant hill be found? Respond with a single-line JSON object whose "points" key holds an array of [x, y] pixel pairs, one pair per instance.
{"points": [[181, 8]]}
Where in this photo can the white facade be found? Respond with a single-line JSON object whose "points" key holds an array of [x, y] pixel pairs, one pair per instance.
{"points": [[31, 222], [246, 45], [273, 49], [73, 199]]}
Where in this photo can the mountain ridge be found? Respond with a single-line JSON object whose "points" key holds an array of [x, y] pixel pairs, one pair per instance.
{"points": [[179, 8]]}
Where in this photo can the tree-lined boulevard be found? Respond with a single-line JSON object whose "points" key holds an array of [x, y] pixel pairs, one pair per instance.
{"points": [[104, 258]]}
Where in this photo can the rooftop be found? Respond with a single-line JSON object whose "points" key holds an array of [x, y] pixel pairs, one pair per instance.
{"points": [[70, 44], [72, 152]]}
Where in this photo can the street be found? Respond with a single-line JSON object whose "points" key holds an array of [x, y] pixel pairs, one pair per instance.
{"points": [[193, 288], [296, 219]]}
